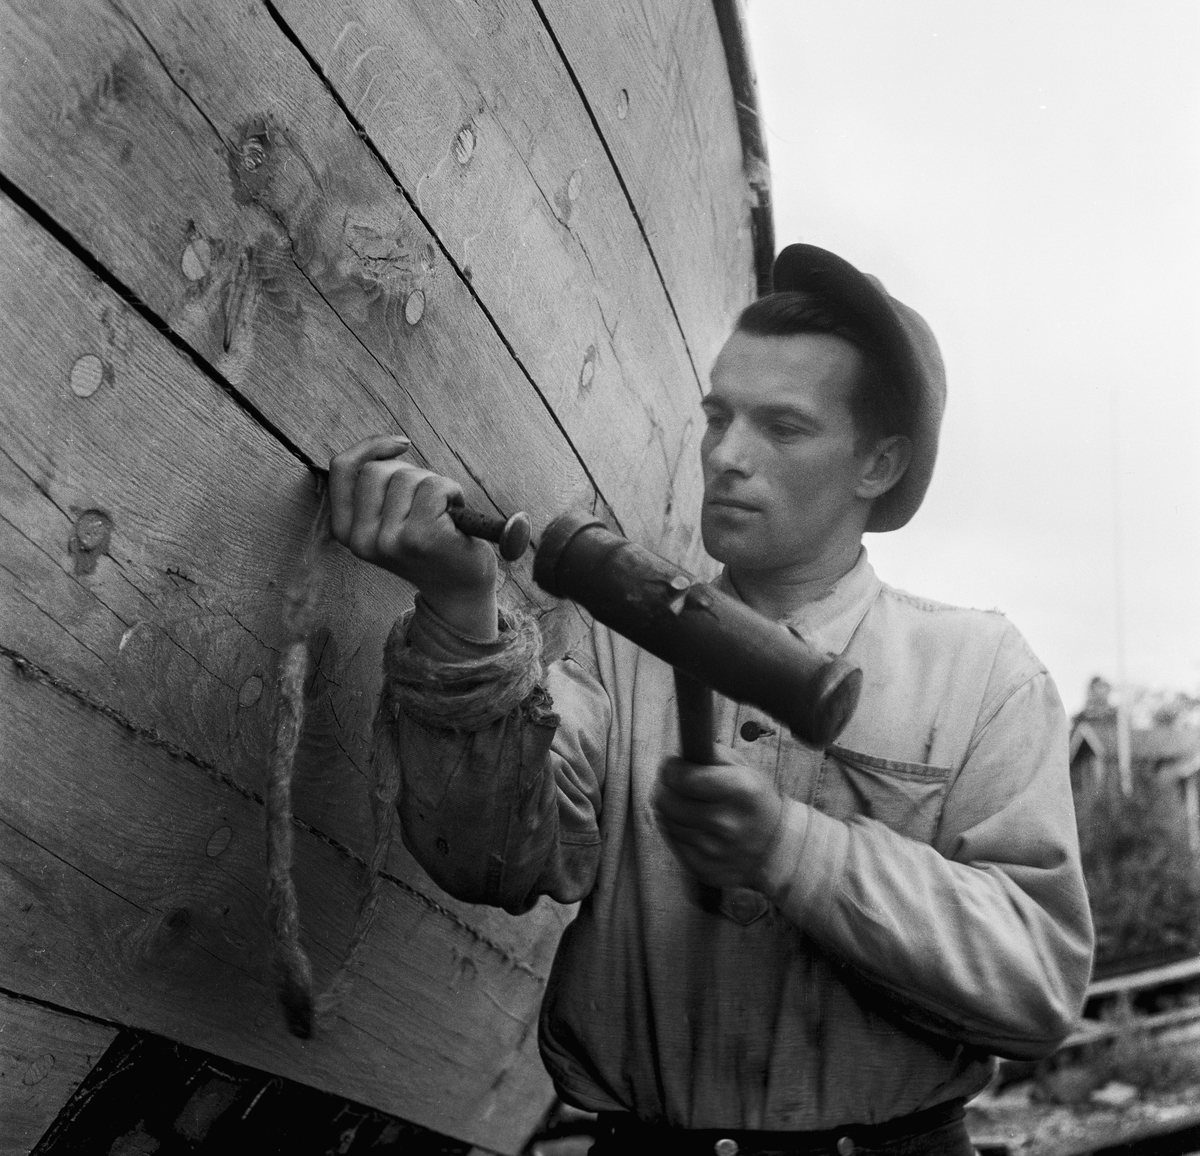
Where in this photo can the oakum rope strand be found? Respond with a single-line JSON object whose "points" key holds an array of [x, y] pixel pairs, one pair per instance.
{"points": [[293, 969], [462, 696]]}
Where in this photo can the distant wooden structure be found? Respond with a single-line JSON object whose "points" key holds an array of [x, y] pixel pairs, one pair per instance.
{"points": [[1164, 757], [238, 236]]}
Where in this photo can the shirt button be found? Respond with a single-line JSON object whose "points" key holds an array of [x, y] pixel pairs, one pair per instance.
{"points": [[846, 1147], [752, 729], [726, 1147]]}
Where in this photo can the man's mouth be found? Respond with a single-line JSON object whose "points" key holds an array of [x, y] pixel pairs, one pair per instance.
{"points": [[730, 503]]}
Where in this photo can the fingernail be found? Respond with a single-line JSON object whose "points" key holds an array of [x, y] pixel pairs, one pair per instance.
{"points": [[401, 440]]}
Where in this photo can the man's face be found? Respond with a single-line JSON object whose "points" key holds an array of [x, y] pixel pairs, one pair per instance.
{"points": [[782, 469]]}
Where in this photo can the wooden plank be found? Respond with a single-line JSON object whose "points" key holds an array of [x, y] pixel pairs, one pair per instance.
{"points": [[130, 890], [176, 625], [656, 80], [177, 619], [44, 1055], [247, 213], [477, 115]]}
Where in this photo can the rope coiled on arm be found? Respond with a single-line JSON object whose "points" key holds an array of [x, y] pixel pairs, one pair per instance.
{"points": [[467, 695]]}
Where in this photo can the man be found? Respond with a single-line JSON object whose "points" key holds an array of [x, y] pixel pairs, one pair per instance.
{"points": [[894, 910]]}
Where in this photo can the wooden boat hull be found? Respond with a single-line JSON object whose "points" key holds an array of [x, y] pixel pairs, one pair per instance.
{"points": [[239, 237]]}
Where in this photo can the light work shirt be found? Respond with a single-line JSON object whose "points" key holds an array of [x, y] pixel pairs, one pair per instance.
{"points": [[924, 907]]}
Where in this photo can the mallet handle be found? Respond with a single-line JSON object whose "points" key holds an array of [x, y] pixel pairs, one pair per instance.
{"points": [[694, 705]]}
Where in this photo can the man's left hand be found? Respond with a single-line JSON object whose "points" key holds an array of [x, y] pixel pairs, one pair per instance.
{"points": [[721, 821]]}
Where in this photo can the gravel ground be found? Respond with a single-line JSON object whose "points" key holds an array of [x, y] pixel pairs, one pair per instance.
{"points": [[1029, 1128]]}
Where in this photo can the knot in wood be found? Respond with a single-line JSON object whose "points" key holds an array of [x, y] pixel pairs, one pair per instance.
{"points": [[90, 539], [179, 920], [253, 153]]}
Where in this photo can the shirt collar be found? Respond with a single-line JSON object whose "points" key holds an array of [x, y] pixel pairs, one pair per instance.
{"points": [[829, 622]]}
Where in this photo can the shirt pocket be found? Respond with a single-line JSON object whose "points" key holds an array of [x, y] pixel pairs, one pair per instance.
{"points": [[907, 797]]}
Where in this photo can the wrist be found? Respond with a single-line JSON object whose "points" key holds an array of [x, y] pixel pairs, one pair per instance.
{"points": [[778, 860], [472, 614]]}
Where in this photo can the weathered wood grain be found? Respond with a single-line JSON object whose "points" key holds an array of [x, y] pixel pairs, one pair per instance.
{"points": [[174, 621], [130, 889], [655, 78], [44, 1055], [174, 624], [190, 148], [476, 114], [498, 304]]}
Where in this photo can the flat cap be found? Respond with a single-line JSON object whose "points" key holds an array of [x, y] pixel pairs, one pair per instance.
{"points": [[905, 344]]}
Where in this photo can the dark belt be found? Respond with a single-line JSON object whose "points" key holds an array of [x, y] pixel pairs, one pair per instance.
{"points": [[623, 1128]]}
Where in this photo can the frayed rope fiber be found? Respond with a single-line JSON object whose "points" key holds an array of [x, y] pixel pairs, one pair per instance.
{"points": [[292, 967], [463, 696], [467, 695]]}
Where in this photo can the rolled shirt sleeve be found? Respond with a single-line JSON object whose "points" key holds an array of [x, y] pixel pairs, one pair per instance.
{"points": [[498, 810]]}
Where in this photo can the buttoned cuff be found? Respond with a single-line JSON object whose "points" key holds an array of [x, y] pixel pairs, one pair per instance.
{"points": [[806, 864]]}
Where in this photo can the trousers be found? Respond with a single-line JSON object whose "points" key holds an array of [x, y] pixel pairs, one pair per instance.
{"points": [[939, 1131]]}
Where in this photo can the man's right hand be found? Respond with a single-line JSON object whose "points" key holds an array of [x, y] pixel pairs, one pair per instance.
{"points": [[394, 514]]}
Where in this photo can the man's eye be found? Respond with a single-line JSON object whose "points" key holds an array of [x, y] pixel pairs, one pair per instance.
{"points": [[715, 420], [783, 430]]}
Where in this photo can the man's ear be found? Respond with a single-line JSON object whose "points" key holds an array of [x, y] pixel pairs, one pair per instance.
{"points": [[883, 466]]}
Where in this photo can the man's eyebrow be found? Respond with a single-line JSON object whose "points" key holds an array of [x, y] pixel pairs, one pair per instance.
{"points": [[798, 413]]}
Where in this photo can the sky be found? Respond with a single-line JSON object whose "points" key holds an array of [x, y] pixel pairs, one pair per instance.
{"points": [[1025, 174]]}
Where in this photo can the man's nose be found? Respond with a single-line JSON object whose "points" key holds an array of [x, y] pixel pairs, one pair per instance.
{"points": [[730, 451]]}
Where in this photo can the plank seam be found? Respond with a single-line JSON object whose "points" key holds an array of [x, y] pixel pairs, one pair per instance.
{"points": [[369, 144], [387, 370], [73, 866], [55, 562], [45, 614], [31, 671], [163, 65], [44, 491], [111, 281], [103, 274], [624, 187], [21, 997]]}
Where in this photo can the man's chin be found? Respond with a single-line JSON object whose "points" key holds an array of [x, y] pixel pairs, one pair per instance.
{"points": [[734, 547]]}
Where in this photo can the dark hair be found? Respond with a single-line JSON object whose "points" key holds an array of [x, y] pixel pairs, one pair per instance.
{"points": [[878, 404]]}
